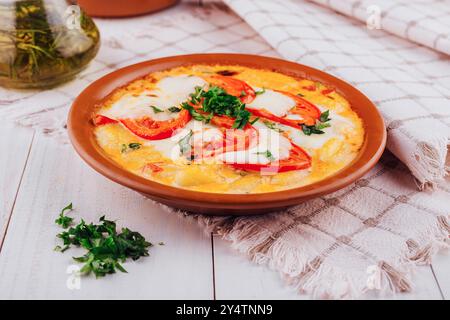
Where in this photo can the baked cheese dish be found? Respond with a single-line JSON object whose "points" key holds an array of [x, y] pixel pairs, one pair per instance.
{"points": [[228, 129]]}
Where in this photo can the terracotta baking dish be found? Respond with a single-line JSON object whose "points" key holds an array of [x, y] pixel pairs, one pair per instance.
{"points": [[123, 8], [81, 134]]}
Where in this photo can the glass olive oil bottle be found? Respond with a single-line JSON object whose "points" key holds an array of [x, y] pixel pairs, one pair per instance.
{"points": [[44, 42]]}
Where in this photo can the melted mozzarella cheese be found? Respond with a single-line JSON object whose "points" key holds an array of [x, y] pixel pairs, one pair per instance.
{"points": [[169, 92], [175, 90], [170, 147], [269, 143], [274, 102], [338, 125]]}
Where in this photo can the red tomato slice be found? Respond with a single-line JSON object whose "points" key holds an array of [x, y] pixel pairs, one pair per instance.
{"points": [[100, 120], [231, 139], [308, 111], [153, 167], [311, 87], [298, 159], [234, 87], [327, 91], [150, 129]]}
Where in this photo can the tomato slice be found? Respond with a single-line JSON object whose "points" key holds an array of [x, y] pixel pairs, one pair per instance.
{"points": [[234, 87], [298, 160], [100, 120], [230, 140], [311, 87], [150, 129], [327, 91], [308, 111], [153, 167]]}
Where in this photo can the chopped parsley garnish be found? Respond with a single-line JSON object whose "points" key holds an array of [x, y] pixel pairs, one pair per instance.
{"points": [[106, 247], [131, 146], [185, 146], [217, 101], [63, 220], [272, 126], [322, 123], [243, 93], [174, 109], [156, 109], [267, 154], [254, 120], [195, 114], [197, 95], [260, 91]]}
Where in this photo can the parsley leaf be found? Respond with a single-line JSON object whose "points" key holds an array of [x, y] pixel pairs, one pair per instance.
{"points": [[197, 95], [260, 91], [267, 154], [273, 126], [156, 109], [325, 116], [131, 146], [174, 109], [106, 247], [254, 120], [195, 114], [322, 123], [62, 220], [185, 146]]}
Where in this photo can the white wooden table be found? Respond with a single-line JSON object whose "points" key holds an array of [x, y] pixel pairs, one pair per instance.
{"points": [[39, 176]]}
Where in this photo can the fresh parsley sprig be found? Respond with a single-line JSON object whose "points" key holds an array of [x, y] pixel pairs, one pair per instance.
{"points": [[106, 248], [217, 101], [317, 128], [63, 220]]}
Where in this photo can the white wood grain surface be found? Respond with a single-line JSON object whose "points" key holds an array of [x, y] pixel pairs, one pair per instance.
{"points": [[15, 144], [41, 176], [55, 176]]}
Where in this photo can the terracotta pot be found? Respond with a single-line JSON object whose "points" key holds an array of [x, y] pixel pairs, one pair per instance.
{"points": [[123, 8], [80, 129]]}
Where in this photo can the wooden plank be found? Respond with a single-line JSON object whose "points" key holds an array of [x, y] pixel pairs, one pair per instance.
{"points": [[238, 278], [441, 270], [15, 144], [55, 176]]}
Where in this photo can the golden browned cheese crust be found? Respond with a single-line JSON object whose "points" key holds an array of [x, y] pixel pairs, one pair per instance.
{"points": [[329, 158]]}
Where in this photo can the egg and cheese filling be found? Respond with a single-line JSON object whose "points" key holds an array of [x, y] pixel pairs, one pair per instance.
{"points": [[254, 131]]}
